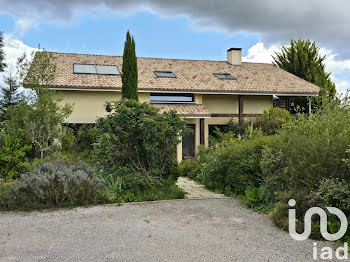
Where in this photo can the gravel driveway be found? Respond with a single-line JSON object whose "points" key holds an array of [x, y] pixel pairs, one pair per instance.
{"points": [[180, 230]]}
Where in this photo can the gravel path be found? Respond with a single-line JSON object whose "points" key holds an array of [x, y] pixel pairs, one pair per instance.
{"points": [[180, 230]]}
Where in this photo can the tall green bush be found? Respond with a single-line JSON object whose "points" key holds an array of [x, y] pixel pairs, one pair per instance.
{"points": [[233, 165], [314, 146], [136, 136]]}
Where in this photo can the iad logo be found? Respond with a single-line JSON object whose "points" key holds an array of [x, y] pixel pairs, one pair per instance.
{"points": [[323, 222], [326, 252]]}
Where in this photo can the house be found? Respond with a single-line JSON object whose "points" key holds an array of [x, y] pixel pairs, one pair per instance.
{"points": [[205, 93]]}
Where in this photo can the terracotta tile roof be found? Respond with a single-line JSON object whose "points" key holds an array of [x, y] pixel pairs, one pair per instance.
{"points": [[191, 76], [186, 110]]}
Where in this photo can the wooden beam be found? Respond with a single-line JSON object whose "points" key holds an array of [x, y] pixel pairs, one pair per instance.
{"points": [[201, 124], [240, 109]]}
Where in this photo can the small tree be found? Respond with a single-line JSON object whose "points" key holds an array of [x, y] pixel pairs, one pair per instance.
{"points": [[9, 93], [136, 136], [46, 116], [129, 70], [2, 53], [303, 59]]}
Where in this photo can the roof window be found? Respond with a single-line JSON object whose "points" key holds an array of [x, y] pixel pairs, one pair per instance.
{"points": [[164, 74], [224, 76]]}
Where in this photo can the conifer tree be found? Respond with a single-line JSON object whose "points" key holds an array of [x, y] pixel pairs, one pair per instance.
{"points": [[9, 94], [2, 54], [303, 59], [129, 70]]}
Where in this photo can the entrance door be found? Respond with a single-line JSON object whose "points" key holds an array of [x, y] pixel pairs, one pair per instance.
{"points": [[188, 143]]}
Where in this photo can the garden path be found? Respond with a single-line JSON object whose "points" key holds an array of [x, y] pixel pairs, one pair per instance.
{"points": [[196, 190]]}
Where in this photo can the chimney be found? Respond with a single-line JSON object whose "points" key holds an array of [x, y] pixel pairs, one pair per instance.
{"points": [[234, 56]]}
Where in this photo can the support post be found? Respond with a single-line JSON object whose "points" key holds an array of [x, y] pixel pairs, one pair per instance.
{"points": [[240, 110], [310, 107], [201, 124]]}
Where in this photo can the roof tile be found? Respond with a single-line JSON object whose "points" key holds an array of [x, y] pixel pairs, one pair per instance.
{"points": [[191, 76]]}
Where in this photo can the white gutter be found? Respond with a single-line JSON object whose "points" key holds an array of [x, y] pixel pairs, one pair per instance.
{"points": [[182, 92]]}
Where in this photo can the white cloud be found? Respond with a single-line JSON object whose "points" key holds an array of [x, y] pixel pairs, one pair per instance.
{"points": [[339, 67], [13, 49], [23, 25], [274, 21], [260, 54]]}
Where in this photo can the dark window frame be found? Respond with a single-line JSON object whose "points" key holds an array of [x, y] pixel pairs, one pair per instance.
{"points": [[171, 95], [231, 77], [167, 72], [97, 74]]}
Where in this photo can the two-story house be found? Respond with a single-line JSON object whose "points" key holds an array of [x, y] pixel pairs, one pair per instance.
{"points": [[205, 93]]}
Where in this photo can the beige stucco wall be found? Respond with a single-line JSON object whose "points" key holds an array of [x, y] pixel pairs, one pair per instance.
{"points": [[89, 105], [256, 104], [224, 104]]}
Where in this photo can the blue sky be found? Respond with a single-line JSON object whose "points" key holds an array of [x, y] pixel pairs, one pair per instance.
{"points": [[163, 29], [155, 36]]}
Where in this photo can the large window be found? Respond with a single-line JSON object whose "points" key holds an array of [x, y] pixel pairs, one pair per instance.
{"points": [[171, 97]]}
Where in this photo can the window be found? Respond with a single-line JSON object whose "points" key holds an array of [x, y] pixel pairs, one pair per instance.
{"points": [[164, 74], [96, 69], [169, 97], [225, 76]]}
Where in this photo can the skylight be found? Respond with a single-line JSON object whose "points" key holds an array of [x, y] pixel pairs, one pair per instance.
{"points": [[165, 74], [225, 76], [96, 69]]}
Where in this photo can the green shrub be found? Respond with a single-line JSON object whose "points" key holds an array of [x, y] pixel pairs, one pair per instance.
{"points": [[336, 193], [314, 146], [136, 136], [68, 139], [272, 120], [190, 168], [5, 197], [235, 163], [237, 128], [14, 155], [85, 138], [273, 170], [279, 215], [57, 184], [253, 197], [135, 186]]}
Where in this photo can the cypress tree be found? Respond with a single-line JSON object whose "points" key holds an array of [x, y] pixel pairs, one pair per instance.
{"points": [[129, 70]]}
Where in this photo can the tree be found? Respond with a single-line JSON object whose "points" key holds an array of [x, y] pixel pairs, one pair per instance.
{"points": [[303, 59], [9, 93], [2, 54], [13, 154], [129, 70], [136, 136], [46, 114]]}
